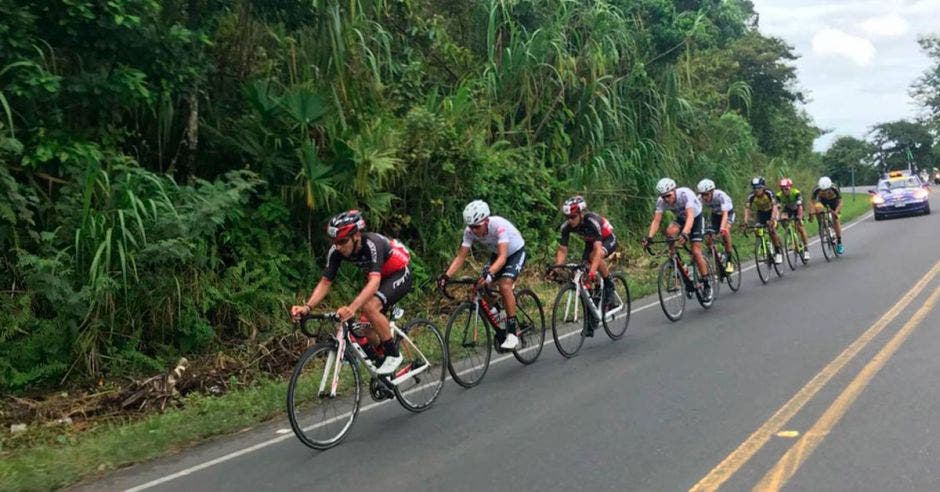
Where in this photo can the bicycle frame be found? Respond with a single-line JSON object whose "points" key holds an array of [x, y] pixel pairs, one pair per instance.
{"points": [[582, 293]]}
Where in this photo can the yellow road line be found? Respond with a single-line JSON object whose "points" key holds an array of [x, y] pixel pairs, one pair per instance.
{"points": [[740, 456], [790, 462]]}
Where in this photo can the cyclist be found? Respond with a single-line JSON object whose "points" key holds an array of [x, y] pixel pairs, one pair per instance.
{"points": [[828, 194], [599, 243], [389, 279], [722, 215], [508, 256], [791, 202], [763, 201], [688, 224]]}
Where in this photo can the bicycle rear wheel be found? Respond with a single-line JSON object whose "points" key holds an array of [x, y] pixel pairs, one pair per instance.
{"points": [[616, 312], [760, 260], [425, 359], [469, 345], [530, 320], [671, 290], [568, 319], [320, 420], [734, 278], [824, 241], [790, 248]]}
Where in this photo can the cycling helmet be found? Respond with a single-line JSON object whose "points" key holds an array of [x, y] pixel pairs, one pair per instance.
{"points": [[706, 185], [758, 182], [574, 205], [786, 183], [665, 185], [346, 224], [475, 212], [824, 183]]}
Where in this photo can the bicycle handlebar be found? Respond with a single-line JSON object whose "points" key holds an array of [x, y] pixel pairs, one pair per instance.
{"points": [[456, 281], [302, 322]]}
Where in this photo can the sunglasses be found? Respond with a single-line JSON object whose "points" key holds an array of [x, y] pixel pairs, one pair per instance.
{"points": [[477, 226], [573, 216], [342, 242]]}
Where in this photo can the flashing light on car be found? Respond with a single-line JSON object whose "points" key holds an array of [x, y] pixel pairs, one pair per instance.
{"points": [[895, 174]]}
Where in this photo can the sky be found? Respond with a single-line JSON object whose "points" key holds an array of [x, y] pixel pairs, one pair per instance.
{"points": [[858, 58]]}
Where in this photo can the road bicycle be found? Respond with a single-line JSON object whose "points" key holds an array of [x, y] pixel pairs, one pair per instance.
{"points": [[764, 252], [325, 389], [470, 329], [793, 247], [827, 234], [733, 279], [677, 281], [580, 305]]}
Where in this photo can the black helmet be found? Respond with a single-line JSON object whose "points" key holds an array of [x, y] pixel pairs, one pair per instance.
{"points": [[346, 224]]}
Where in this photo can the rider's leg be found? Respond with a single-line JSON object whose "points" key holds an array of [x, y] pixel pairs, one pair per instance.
{"points": [[699, 258], [672, 231], [837, 224]]}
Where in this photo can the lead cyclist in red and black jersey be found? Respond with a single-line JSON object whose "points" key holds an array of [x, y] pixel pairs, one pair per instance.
{"points": [[599, 243], [385, 262]]}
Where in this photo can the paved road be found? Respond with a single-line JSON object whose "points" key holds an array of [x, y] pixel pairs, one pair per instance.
{"points": [[662, 407]]}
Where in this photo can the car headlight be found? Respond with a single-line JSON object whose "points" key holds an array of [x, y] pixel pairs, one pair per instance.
{"points": [[877, 199], [920, 194]]}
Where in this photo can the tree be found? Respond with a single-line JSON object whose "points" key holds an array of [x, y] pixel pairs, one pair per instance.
{"points": [[926, 90], [896, 138], [848, 153]]}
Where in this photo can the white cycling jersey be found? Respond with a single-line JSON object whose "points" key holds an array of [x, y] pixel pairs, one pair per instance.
{"points": [[499, 230], [720, 202], [685, 198]]}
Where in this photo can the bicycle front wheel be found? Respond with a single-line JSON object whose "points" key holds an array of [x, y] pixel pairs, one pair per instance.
{"points": [[424, 366], [320, 416], [469, 345], [760, 260], [616, 312], [530, 320], [568, 319], [825, 241], [734, 278], [671, 290]]}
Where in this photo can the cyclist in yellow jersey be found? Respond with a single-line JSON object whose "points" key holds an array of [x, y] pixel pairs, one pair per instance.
{"points": [[791, 203], [763, 201], [828, 194]]}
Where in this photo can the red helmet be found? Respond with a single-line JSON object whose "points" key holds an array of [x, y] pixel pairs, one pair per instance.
{"points": [[574, 205], [346, 224], [786, 183]]}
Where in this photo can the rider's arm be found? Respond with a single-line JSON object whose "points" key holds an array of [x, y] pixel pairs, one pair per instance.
{"points": [[689, 220], [458, 261], [724, 221], [502, 252], [561, 255], [654, 226], [319, 293]]}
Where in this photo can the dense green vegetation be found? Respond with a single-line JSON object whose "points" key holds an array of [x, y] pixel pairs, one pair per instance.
{"points": [[167, 167]]}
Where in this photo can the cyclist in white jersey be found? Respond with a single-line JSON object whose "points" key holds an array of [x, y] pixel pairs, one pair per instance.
{"points": [[688, 223], [507, 250], [722, 215]]}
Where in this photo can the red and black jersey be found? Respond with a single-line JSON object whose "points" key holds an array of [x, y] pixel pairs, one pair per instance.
{"points": [[377, 255], [592, 228]]}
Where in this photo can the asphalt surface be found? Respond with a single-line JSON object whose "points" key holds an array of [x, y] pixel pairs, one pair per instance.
{"points": [[656, 410]]}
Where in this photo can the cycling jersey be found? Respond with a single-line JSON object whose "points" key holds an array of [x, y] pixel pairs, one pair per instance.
{"points": [[829, 195], [764, 203], [791, 200], [377, 255], [593, 227], [720, 202], [685, 198], [498, 231]]}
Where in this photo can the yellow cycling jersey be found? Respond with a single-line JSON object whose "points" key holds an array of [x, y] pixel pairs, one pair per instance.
{"points": [[826, 195], [763, 203]]}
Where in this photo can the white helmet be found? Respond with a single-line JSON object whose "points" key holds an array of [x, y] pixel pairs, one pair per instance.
{"points": [[665, 185], [824, 183], [475, 212], [706, 185]]}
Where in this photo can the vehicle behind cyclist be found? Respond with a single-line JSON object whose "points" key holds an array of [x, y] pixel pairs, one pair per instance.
{"points": [[722, 215], [507, 258], [599, 243], [764, 203], [791, 202], [385, 262], [828, 194], [688, 223]]}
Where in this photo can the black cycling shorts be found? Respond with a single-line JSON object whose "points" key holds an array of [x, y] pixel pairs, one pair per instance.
{"points": [[513, 265], [697, 234], [832, 204], [763, 217], [394, 287], [716, 221], [609, 244]]}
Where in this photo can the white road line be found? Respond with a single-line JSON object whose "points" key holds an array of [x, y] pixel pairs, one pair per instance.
{"points": [[264, 444]]}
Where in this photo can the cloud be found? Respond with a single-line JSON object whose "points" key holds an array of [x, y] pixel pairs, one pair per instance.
{"points": [[891, 25], [829, 42]]}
